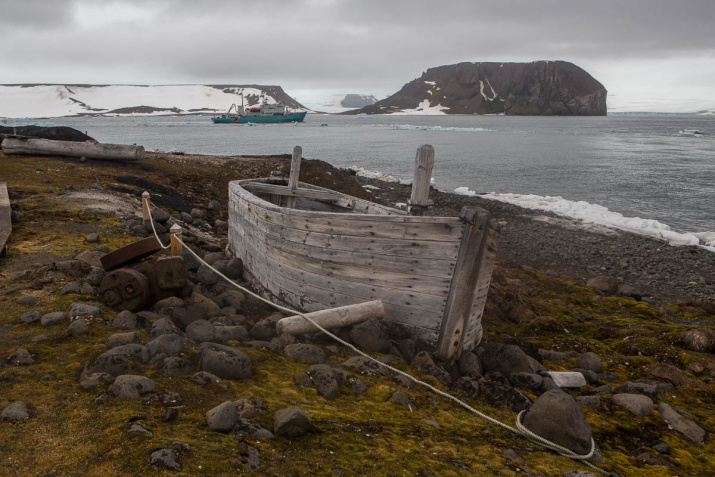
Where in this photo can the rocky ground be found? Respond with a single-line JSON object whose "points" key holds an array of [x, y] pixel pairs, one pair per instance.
{"points": [[201, 383]]}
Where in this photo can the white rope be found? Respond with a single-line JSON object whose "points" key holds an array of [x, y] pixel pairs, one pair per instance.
{"points": [[520, 429]]}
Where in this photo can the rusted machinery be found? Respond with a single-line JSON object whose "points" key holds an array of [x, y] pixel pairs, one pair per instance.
{"points": [[134, 282]]}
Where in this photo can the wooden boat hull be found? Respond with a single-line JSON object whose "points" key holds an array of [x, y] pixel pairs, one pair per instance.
{"points": [[346, 250]]}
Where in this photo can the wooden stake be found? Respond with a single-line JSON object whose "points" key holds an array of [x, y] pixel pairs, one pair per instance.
{"points": [[145, 205], [5, 218], [332, 318], [175, 234], [424, 162], [294, 174]]}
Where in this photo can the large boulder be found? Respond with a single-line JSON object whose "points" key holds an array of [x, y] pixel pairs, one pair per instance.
{"points": [[589, 361], [307, 353], [291, 422], [686, 427], [370, 336], [166, 344], [224, 361], [556, 416], [16, 411], [223, 417], [637, 404], [130, 386], [507, 359]]}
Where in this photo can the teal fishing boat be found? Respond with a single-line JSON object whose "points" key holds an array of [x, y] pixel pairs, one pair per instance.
{"points": [[261, 113]]}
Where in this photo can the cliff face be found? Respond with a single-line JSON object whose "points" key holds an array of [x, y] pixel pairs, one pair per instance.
{"points": [[539, 88]]}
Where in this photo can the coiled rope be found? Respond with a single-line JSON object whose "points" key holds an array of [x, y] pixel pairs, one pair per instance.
{"points": [[520, 429]]}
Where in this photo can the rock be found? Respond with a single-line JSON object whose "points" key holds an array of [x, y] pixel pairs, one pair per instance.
{"points": [[71, 268], [92, 238], [132, 351], [167, 344], [30, 317], [263, 330], [223, 417], [102, 399], [567, 379], [307, 353], [579, 473], [637, 387], [175, 366], [365, 365], [606, 388], [401, 398], [249, 427], [430, 422], [370, 336], [113, 364], [53, 318], [661, 448], [168, 458], [510, 454], [206, 276], [303, 380], [78, 327], [16, 411], [469, 365], [291, 422], [688, 428], [79, 287], [170, 302], [357, 386], [589, 361], [126, 320], [201, 331], [637, 404], [593, 402], [604, 284], [494, 392], [556, 355], [139, 429], [547, 384], [197, 213], [323, 378], [203, 378], [545, 323], [27, 300], [232, 298], [671, 374], [20, 356], [557, 417], [94, 380], [234, 269], [506, 359], [121, 339], [201, 308], [170, 414], [129, 386], [186, 217], [249, 456], [588, 375], [224, 361], [529, 381], [467, 387], [608, 376], [698, 339], [163, 326], [214, 205], [422, 360]]}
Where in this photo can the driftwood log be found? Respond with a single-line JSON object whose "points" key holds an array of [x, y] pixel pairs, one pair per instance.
{"points": [[94, 150], [5, 218], [331, 318]]}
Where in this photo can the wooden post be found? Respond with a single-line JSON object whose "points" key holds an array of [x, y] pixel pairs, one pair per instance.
{"points": [[424, 162], [145, 205], [294, 174], [175, 235], [5, 218], [332, 318], [463, 289]]}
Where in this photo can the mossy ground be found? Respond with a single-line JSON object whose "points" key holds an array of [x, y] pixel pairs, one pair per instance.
{"points": [[68, 434]]}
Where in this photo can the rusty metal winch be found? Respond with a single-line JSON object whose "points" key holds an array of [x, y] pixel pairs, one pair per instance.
{"points": [[134, 282]]}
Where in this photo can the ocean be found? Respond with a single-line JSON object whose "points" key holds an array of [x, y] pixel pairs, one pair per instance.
{"points": [[649, 173]]}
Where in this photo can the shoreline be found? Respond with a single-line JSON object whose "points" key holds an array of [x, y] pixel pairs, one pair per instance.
{"points": [[556, 245]]}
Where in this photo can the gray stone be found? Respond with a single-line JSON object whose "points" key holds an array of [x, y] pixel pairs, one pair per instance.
{"points": [[638, 387], [79, 287], [529, 381], [94, 380], [170, 302], [78, 327], [506, 359], [163, 326], [71, 268], [430, 422], [234, 268], [214, 205], [203, 378], [590, 361], [547, 384], [557, 417], [469, 365], [27, 300], [556, 355], [231, 333], [139, 429], [365, 365], [661, 448], [323, 379], [95, 276], [197, 213], [494, 392], [175, 366], [170, 414], [567, 379], [593, 402], [402, 399], [168, 458], [588, 375], [30, 317], [252, 408], [249, 427], [637, 404], [113, 364], [224, 361], [516, 401], [231, 297], [608, 376], [16, 411], [579, 473], [131, 351], [467, 387], [201, 308], [167, 344], [302, 379], [249, 456], [370, 336], [604, 284], [511, 454], [130, 386], [291, 422], [206, 276], [686, 427], [201, 331], [121, 339], [422, 360], [160, 215], [186, 217], [126, 320], [102, 399], [223, 417], [53, 318], [21, 356], [357, 386], [671, 374], [192, 263], [92, 238], [307, 353]]}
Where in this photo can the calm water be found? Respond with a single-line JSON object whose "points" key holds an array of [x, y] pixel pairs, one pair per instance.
{"points": [[635, 165]]}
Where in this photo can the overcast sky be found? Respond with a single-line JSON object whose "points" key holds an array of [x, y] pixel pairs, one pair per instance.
{"points": [[638, 49]]}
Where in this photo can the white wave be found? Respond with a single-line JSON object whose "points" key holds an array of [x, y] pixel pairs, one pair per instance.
{"points": [[597, 214], [415, 127]]}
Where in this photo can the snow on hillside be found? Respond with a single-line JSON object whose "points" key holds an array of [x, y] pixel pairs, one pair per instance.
{"points": [[618, 104], [33, 101]]}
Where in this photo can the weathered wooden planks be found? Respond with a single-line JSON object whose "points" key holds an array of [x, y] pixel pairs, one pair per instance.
{"points": [[259, 188], [95, 150], [5, 218], [424, 162]]}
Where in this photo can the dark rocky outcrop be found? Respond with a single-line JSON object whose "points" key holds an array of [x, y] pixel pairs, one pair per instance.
{"points": [[548, 88], [56, 133]]}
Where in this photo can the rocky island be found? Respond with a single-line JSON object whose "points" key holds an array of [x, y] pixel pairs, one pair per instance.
{"points": [[548, 88]]}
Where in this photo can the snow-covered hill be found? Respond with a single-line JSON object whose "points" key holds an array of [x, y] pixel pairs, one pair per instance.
{"points": [[39, 101]]}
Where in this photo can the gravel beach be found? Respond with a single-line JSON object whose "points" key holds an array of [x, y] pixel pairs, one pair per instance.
{"points": [[659, 272]]}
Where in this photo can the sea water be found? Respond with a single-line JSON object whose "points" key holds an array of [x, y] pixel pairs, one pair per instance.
{"points": [[654, 169]]}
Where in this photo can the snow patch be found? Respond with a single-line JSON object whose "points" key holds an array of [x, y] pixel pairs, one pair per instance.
{"points": [[424, 108]]}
